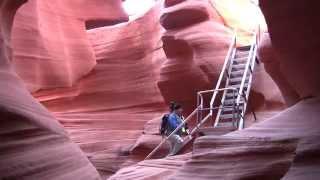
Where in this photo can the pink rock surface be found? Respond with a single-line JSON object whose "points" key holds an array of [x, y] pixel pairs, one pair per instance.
{"points": [[169, 3], [284, 146], [105, 111], [297, 49], [272, 64], [50, 41], [115, 84], [187, 13], [33, 144]]}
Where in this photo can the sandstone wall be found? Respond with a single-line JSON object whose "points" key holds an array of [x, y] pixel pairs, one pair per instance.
{"points": [[33, 144]]}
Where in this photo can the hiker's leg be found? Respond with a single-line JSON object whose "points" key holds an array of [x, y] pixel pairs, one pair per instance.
{"points": [[172, 144], [178, 142]]}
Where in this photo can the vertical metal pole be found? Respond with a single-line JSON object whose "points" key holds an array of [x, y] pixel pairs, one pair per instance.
{"points": [[233, 108], [198, 105], [201, 108]]}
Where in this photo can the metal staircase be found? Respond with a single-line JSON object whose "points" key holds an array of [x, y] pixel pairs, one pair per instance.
{"points": [[229, 99]]}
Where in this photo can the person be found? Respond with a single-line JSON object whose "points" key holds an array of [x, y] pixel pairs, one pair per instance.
{"points": [[174, 120]]}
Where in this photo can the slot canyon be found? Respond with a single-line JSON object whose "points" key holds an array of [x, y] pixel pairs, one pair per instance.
{"points": [[84, 85]]}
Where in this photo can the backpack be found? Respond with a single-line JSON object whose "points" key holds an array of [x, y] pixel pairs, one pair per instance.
{"points": [[164, 124]]}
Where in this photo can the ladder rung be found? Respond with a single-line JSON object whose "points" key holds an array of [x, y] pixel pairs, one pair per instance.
{"points": [[242, 54], [238, 66], [237, 73], [237, 79], [228, 116], [244, 48], [231, 101], [240, 60], [238, 85], [231, 95], [231, 109]]}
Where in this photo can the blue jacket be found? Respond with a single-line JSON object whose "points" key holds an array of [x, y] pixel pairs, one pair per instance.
{"points": [[174, 121]]}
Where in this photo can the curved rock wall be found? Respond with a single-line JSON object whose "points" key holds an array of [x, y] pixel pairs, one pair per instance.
{"points": [[285, 146], [33, 144], [51, 47], [105, 111], [113, 80], [295, 39]]}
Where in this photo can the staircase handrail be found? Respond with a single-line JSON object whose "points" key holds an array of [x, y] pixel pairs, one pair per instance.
{"points": [[241, 89], [226, 61]]}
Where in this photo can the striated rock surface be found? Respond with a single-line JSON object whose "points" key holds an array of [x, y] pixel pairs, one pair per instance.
{"points": [[286, 145], [51, 47], [297, 50], [105, 111], [195, 48], [272, 64], [33, 144], [152, 169], [186, 13], [114, 84]]}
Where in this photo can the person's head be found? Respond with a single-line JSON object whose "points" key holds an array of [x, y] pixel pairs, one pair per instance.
{"points": [[176, 108], [171, 106]]}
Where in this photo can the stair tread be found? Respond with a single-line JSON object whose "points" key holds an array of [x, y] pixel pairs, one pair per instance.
{"points": [[238, 85], [231, 101], [238, 66], [245, 58], [224, 110], [237, 73], [237, 79], [228, 116], [244, 48]]}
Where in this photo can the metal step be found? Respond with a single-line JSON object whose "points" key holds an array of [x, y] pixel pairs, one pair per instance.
{"points": [[238, 66], [238, 85], [237, 79], [230, 110], [230, 102], [241, 54], [231, 95], [228, 116], [244, 48], [241, 60], [237, 73]]}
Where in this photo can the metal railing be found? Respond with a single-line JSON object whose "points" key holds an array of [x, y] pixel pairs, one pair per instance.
{"points": [[249, 66], [238, 94], [195, 112], [224, 68], [173, 132]]}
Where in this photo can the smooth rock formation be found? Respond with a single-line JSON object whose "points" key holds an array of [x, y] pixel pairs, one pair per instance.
{"points": [[109, 87], [296, 41], [284, 146], [272, 65], [105, 111], [33, 144], [168, 3], [187, 13], [51, 47]]}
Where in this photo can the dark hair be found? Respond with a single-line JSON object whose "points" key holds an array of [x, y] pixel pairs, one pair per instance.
{"points": [[174, 106]]}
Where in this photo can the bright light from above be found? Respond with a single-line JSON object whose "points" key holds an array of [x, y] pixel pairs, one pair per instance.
{"points": [[137, 7]]}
